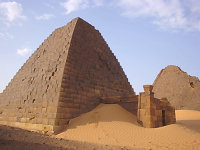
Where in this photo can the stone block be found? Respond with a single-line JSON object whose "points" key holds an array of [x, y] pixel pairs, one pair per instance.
{"points": [[44, 121], [51, 121], [39, 120], [155, 110], [44, 85], [51, 109], [44, 110], [23, 120]]}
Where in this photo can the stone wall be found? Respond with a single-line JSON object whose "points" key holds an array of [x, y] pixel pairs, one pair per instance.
{"points": [[91, 71], [154, 112], [30, 100], [63, 78]]}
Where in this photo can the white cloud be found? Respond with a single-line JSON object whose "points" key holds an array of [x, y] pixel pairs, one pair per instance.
{"points": [[44, 17], [75, 5], [24, 51], [11, 11], [193, 5], [98, 2], [167, 14]]}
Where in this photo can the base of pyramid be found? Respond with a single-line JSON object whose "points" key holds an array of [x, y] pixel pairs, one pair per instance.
{"points": [[41, 128]]}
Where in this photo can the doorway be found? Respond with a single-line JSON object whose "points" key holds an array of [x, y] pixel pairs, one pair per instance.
{"points": [[163, 117]]}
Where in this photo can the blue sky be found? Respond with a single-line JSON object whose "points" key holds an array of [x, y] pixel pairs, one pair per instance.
{"points": [[145, 35]]}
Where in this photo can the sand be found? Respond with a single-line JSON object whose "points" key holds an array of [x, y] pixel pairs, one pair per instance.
{"points": [[109, 127], [110, 124]]}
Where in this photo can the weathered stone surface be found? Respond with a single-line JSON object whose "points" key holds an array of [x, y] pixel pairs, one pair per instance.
{"points": [[153, 112], [63, 78], [181, 89]]}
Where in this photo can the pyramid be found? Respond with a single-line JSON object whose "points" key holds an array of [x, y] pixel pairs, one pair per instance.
{"points": [[62, 79], [181, 89]]}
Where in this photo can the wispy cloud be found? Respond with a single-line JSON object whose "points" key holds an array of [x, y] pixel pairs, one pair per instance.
{"points": [[74, 5], [48, 5], [11, 11], [98, 2], [44, 17], [24, 51], [6, 36], [167, 14], [170, 14]]}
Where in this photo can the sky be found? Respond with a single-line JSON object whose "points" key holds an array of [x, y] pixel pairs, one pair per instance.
{"points": [[145, 35]]}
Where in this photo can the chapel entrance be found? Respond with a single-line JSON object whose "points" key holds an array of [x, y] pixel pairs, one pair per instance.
{"points": [[163, 117]]}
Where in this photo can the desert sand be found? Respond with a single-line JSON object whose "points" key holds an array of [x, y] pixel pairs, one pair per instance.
{"points": [[110, 124], [109, 127]]}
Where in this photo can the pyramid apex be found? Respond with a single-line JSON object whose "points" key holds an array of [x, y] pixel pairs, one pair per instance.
{"points": [[78, 19]]}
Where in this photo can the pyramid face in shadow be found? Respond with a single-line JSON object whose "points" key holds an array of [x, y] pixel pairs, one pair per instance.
{"points": [[65, 77]]}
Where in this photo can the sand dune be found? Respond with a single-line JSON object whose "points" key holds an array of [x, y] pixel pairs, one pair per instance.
{"points": [[110, 124]]}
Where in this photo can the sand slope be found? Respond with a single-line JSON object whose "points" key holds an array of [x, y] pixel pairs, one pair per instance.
{"points": [[112, 125]]}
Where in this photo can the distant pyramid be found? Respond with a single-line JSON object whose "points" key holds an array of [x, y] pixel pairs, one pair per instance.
{"points": [[63, 78], [182, 90]]}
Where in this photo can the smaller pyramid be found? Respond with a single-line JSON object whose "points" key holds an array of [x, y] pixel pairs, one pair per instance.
{"points": [[63, 78], [181, 89]]}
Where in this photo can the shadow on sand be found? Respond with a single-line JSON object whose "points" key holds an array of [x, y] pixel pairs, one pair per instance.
{"points": [[191, 124], [18, 139], [20, 145]]}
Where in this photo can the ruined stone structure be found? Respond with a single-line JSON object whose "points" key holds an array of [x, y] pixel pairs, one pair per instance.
{"points": [[65, 76], [154, 112], [69, 74], [181, 89]]}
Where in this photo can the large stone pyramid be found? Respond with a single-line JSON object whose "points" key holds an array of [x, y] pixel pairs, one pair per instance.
{"points": [[63, 78], [182, 90]]}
